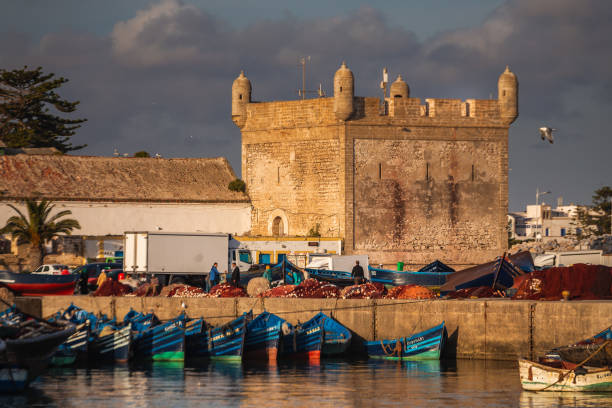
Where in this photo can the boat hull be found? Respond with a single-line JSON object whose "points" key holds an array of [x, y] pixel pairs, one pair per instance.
{"points": [[112, 347], [224, 343], [426, 345], [28, 284], [336, 337], [304, 342], [262, 338], [164, 342], [538, 377]]}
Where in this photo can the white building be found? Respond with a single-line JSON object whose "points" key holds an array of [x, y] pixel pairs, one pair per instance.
{"points": [[111, 195], [542, 221]]}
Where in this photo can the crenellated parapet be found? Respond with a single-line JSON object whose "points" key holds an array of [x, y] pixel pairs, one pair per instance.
{"points": [[399, 108]]}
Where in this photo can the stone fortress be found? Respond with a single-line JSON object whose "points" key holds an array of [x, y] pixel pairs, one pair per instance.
{"points": [[396, 179]]}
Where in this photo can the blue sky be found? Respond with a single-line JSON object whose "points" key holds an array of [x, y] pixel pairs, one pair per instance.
{"points": [[156, 75]]}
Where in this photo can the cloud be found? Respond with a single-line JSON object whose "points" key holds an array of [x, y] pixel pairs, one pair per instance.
{"points": [[166, 73]]}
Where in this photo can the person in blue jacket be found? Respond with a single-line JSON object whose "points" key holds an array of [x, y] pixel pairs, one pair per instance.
{"points": [[213, 278]]}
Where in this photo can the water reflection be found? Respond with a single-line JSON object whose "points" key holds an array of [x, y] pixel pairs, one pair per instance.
{"points": [[330, 383]]}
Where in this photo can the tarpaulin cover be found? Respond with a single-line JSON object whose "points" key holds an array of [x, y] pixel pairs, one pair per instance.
{"points": [[410, 292], [112, 288], [583, 282], [490, 274], [364, 291]]}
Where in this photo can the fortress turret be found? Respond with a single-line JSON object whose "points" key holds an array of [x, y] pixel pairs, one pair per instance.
{"points": [[344, 91], [507, 96], [399, 88], [241, 96]]}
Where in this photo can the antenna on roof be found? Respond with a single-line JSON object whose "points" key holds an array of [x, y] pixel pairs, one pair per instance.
{"points": [[303, 91], [115, 152]]}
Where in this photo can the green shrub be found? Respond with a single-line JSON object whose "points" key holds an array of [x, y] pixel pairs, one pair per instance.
{"points": [[237, 185]]}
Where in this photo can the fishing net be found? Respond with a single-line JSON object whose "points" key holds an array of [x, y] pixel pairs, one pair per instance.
{"points": [[185, 291], [112, 288], [410, 292], [279, 291], [364, 291], [312, 288], [227, 290], [582, 282]]}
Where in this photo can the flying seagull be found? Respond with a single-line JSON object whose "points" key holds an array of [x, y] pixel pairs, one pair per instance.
{"points": [[547, 133]]}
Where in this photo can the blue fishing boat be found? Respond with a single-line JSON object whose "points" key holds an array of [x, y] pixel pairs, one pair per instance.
{"points": [[304, 341], [111, 343], [338, 278], [218, 343], [76, 345], [152, 340], [426, 345], [436, 266], [594, 348], [336, 337], [263, 337], [399, 278]]}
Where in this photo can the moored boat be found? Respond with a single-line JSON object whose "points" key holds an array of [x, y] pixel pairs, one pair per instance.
{"points": [[33, 284], [263, 336], [27, 349], [76, 345], [540, 377], [304, 341], [399, 278], [338, 278], [336, 337], [225, 342], [158, 342], [593, 348], [111, 343], [426, 345]]}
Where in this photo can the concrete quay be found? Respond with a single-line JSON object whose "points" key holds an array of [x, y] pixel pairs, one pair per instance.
{"points": [[498, 329]]}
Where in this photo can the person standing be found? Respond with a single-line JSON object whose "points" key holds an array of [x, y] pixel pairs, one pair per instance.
{"points": [[235, 280], [357, 273], [101, 278], [213, 278], [268, 274]]}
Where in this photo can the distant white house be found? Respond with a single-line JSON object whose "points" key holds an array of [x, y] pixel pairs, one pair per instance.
{"points": [[542, 221]]}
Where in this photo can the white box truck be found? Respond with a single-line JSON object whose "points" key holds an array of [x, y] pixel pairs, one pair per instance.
{"points": [[179, 257]]}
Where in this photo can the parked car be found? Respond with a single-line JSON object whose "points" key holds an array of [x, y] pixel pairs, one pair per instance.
{"points": [[53, 269], [93, 271]]}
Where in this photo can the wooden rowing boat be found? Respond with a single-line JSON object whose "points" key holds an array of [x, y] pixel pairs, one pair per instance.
{"points": [[539, 377]]}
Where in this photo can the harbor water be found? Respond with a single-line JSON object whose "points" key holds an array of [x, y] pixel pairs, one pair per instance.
{"points": [[332, 383]]}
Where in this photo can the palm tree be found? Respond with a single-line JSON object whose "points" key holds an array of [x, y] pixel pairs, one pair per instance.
{"points": [[38, 227]]}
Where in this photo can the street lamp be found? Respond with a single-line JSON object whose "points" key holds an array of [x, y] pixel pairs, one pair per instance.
{"points": [[538, 194]]}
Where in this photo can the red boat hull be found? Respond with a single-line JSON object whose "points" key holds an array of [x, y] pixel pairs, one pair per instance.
{"points": [[42, 289]]}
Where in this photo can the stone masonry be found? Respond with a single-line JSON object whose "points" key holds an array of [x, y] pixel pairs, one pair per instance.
{"points": [[398, 179]]}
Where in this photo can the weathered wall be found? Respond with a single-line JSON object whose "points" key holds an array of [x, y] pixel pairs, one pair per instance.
{"points": [[478, 329], [291, 165]]}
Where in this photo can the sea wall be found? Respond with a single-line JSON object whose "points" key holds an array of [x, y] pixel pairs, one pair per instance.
{"points": [[477, 329]]}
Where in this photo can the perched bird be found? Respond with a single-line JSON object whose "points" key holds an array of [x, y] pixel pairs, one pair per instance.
{"points": [[547, 133]]}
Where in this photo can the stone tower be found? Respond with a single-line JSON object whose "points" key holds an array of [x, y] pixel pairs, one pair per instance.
{"points": [[344, 92], [413, 182], [400, 89], [241, 97], [507, 95]]}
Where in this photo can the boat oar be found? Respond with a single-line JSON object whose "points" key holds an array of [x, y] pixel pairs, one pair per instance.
{"points": [[53, 324]]}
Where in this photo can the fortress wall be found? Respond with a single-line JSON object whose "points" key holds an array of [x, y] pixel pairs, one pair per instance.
{"points": [[422, 194], [289, 114], [294, 173]]}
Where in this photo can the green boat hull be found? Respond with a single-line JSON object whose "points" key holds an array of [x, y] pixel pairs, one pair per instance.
{"points": [[60, 361], [428, 355], [226, 358], [169, 356]]}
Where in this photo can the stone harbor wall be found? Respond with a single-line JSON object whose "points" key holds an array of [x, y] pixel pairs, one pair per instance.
{"points": [[477, 329]]}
